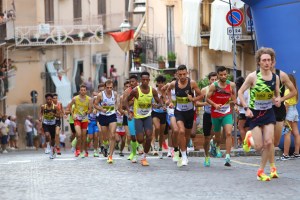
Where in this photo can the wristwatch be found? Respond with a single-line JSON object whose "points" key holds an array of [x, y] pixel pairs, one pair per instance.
{"points": [[246, 108]]}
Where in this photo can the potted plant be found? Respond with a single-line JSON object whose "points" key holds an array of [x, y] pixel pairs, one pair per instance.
{"points": [[161, 62], [172, 59]]}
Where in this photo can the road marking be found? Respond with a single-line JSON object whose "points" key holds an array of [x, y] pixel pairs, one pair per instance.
{"points": [[65, 159], [244, 163]]}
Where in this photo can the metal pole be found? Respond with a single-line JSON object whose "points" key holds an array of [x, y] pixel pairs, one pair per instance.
{"points": [[234, 78]]}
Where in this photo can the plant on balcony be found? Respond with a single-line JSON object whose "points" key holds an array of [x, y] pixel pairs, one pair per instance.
{"points": [[172, 59], [161, 62]]}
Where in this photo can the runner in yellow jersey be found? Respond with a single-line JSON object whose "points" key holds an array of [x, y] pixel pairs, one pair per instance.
{"points": [[83, 106], [142, 108]]}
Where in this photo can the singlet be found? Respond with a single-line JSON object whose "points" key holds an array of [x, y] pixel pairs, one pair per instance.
{"points": [[261, 94], [142, 106], [246, 97], [49, 117], [158, 110], [221, 96], [182, 101], [207, 108], [173, 99], [120, 127], [108, 104], [81, 108]]}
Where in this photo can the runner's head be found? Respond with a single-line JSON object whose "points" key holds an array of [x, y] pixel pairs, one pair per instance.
{"points": [[55, 97], [265, 58], [160, 81], [133, 79], [182, 73], [212, 77], [126, 85], [101, 87], [82, 90], [49, 98], [145, 78], [239, 82], [109, 85], [222, 74]]}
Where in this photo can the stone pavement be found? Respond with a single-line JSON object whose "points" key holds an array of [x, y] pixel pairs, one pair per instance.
{"points": [[31, 175]]}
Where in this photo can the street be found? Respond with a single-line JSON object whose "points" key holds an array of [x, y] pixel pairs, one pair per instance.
{"points": [[31, 175]]}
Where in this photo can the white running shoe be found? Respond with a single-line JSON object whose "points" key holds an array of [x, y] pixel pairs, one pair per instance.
{"points": [[169, 155], [5, 151], [134, 159], [176, 156], [184, 162], [47, 151], [160, 154]]}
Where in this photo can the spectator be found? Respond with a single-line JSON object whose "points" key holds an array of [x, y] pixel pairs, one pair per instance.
{"points": [[29, 132], [12, 131], [115, 79], [3, 134], [39, 132], [112, 68], [103, 78]]}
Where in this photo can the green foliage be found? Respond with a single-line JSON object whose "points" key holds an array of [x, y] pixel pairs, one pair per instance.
{"points": [[172, 56], [168, 77], [161, 59]]}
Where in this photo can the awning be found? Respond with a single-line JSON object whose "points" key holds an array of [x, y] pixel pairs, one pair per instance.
{"points": [[191, 22], [63, 86]]}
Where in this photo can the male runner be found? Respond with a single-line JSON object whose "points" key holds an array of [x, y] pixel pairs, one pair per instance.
{"points": [[58, 121], [264, 92]]}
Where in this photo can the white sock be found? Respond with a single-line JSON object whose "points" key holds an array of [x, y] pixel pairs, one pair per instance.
{"points": [[183, 154], [48, 145]]}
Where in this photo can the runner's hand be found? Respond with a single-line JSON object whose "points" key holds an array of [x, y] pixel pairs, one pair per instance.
{"points": [[249, 113], [218, 106]]}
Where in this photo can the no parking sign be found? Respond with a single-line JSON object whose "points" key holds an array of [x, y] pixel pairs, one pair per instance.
{"points": [[234, 17]]}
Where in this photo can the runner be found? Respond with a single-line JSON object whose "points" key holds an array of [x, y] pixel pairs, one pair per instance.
{"points": [[207, 124], [83, 106], [264, 86], [220, 95], [58, 121], [143, 95], [69, 111], [133, 79], [93, 130], [48, 115], [101, 87], [159, 115], [106, 102], [184, 110]]}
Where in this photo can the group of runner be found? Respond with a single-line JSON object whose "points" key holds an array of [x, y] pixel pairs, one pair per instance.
{"points": [[142, 108]]}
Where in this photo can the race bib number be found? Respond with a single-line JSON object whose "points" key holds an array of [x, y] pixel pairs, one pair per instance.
{"points": [[263, 104], [224, 109], [143, 112]]}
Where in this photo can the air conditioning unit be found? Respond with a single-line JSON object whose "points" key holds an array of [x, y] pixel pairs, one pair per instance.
{"points": [[97, 59]]}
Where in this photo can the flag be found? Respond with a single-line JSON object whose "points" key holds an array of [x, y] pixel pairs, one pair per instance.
{"points": [[124, 39]]}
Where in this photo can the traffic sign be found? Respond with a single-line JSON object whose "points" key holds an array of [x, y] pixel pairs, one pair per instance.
{"points": [[234, 30], [234, 17]]}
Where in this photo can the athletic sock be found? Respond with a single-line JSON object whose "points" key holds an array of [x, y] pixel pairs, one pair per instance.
{"points": [[133, 147], [183, 153]]}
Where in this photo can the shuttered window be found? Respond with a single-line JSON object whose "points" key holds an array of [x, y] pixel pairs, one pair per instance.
{"points": [[49, 11], [77, 9]]}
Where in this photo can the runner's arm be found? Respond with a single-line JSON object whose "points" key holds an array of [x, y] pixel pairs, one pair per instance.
{"points": [[90, 105], [97, 102], [288, 83], [168, 91], [211, 90]]}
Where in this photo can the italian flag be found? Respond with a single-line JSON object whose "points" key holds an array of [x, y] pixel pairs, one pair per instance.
{"points": [[124, 39]]}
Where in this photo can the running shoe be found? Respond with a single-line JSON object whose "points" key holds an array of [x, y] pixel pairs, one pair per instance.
{"points": [[227, 162], [169, 155], [285, 157], [58, 151], [109, 160], [130, 156], [47, 150], [184, 161], [121, 154], [144, 162], [96, 153], [262, 176], [273, 173], [212, 148], [51, 156], [73, 149], [219, 153], [207, 162], [86, 154], [179, 162], [296, 155], [134, 159], [140, 149], [82, 154], [247, 143], [176, 156], [160, 154], [77, 153]]}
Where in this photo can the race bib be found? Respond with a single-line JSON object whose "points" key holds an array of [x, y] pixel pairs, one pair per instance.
{"points": [[224, 109], [263, 104]]}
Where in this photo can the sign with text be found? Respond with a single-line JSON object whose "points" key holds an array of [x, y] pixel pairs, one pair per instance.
{"points": [[234, 30], [249, 20]]}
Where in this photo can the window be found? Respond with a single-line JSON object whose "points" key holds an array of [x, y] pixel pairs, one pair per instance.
{"points": [[101, 7], [170, 29], [50, 87], [49, 11], [77, 9]]}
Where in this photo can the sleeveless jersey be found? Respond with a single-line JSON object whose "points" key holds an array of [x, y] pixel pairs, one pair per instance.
{"points": [[81, 108], [108, 104], [158, 110], [261, 95], [49, 117], [182, 101], [221, 96], [142, 106]]}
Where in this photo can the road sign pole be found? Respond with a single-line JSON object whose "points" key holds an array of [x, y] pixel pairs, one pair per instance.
{"points": [[234, 78]]}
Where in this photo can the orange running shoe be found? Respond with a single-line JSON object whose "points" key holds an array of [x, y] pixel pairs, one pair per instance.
{"points": [[144, 162]]}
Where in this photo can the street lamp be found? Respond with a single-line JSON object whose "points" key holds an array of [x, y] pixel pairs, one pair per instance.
{"points": [[125, 25], [57, 64]]}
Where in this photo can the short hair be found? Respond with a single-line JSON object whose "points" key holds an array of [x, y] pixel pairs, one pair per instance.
{"points": [[55, 95], [108, 81], [126, 82], [160, 79], [181, 67], [48, 95], [211, 74], [101, 85], [133, 76], [262, 51], [239, 81], [145, 73], [221, 69]]}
